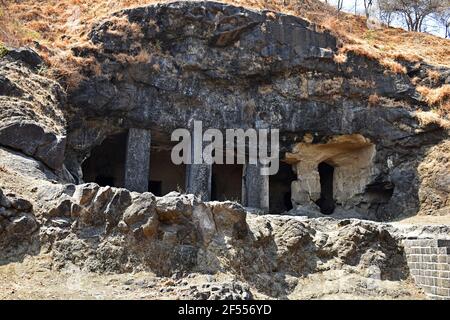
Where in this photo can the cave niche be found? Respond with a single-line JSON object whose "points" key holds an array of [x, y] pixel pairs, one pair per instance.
{"points": [[280, 189], [326, 200], [106, 162], [333, 173]]}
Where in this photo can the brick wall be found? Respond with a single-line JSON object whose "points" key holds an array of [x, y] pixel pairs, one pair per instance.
{"points": [[429, 265]]}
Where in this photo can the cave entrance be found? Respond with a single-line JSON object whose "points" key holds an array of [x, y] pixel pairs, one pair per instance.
{"points": [[165, 176], [226, 182], [106, 163], [280, 189], [326, 200]]}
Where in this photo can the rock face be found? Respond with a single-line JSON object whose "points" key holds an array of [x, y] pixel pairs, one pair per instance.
{"points": [[140, 227], [434, 192], [109, 229], [31, 110], [18, 228], [166, 65]]}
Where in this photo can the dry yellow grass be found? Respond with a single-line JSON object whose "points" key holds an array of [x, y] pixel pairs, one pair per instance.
{"points": [[59, 25], [340, 58], [429, 117], [433, 75], [359, 83], [142, 57], [393, 65], [374, 99], [51, 21], [391, 43], [438, 97]]}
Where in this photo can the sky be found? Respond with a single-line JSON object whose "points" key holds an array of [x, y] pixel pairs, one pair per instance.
{"points": [[349, 6]]}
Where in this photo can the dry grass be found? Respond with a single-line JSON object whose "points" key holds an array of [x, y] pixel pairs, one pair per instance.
{"points": [[393, 65], [371, 53], [69, 69], [59, 25], [433, 75], [415, 80], [359, 83], [438, 97], [122, 28], [392, 43], [429, 117], [373, 99], [340, 58], [142, 57]]}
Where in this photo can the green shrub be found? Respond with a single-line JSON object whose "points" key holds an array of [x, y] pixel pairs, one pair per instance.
{"points": [[3, 50]]}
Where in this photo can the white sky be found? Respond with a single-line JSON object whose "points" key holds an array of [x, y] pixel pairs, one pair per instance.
{"points": [[349, 6]]}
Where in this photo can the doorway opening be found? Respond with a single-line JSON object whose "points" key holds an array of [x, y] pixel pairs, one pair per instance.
{"points": [[326, 201], [165, 176], [280, 189], [226, 182], [106, 163]]}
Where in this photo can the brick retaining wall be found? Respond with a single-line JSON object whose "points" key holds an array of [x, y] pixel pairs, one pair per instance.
{"points": [[429, 265]]}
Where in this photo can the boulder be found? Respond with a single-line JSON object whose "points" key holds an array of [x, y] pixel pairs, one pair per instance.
{"points": [[18, 228], [26, 55]]}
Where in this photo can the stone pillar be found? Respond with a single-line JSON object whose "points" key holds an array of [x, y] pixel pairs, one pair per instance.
{"points": [[255, 193], [137, 162], [198, 175]]}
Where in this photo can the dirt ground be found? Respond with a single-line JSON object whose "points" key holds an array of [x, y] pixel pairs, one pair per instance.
{"points": [[33, 279], [425, 220]]}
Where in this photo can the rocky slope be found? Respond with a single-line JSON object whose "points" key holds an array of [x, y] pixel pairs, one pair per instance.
{"points": [[161, 67]]}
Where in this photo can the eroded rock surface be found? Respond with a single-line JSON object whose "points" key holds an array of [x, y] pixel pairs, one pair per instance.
{"points": [[164, 66], [98, 229], [90, 229], [18, 228], [434, 171], [31, 110]]}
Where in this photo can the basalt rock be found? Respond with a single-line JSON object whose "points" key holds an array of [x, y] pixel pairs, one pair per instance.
{"points": [[186, 235], [18, 228], [105, 229], [164, 66], [26, 55], [31, 110]]}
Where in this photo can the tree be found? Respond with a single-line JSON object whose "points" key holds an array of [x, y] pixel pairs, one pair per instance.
{"points": [[386, 17], [414, 12], [443, 19], [367, 6]]}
